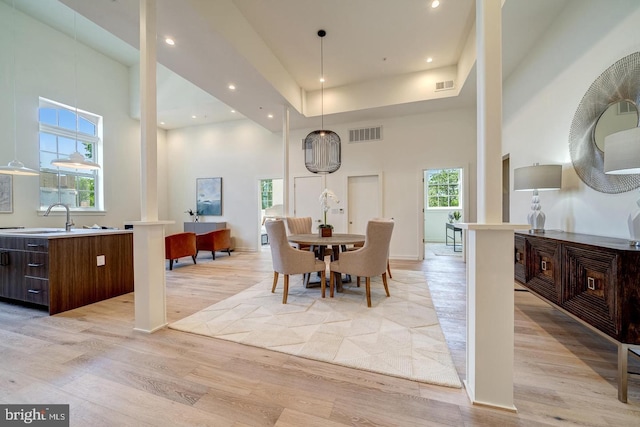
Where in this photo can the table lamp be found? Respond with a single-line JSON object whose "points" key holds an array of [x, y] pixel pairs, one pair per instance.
{"points": [[536, 178], [622, 157]]}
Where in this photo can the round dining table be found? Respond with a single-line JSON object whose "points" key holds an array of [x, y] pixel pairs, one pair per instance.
{"points": [[338, 241]]}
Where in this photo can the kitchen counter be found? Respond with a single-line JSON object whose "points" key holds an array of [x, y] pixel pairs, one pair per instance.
{"points": [[61, 270], [56, 233]]}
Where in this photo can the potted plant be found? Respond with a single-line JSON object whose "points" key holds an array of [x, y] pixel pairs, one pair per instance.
{"points": [[454, 216], [324, 229], [193, 215]]}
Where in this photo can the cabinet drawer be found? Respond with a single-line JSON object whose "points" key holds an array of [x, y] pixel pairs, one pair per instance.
{"points": [[24, 243], [37, 265], [590, 287], [543, 258], [36, 291], [519, 259]]}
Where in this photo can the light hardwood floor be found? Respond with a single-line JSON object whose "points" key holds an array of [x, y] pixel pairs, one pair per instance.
{"points": [[110, 375]]}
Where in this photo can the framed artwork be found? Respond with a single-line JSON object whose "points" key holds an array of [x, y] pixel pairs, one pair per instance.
{"points": [[6, 194], [209, 196]]}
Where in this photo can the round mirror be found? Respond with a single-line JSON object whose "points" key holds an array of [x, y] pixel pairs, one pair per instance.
{"points": [[616, 89], [621, 115]]}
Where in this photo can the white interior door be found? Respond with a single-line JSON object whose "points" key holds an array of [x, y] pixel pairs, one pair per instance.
{"points": [[364, 201], [306, 198]]}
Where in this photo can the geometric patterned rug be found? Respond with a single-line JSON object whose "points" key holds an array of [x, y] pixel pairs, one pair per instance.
{"points": [[398, 336]]}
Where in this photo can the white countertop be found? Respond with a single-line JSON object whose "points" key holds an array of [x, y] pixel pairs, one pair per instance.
{"points": [[56, 233]]}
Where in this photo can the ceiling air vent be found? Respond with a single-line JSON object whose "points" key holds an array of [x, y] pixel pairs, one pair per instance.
{"points": [[445, 85], [365, 134]]}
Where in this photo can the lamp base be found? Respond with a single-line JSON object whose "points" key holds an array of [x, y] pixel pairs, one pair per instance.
{"points": [[536, 231]]}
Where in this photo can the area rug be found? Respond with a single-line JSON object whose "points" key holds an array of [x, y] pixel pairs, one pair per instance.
{"points": [[398, 336], [442, 249]]}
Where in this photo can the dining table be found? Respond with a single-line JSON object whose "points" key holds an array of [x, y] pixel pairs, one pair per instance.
{"points": [[337, 242]]}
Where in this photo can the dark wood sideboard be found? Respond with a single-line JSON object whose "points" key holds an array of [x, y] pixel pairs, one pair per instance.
{"points": [[594, 279]]}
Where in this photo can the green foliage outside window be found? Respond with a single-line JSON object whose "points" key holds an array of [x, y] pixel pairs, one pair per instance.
{"points": [[266, 191], [443, 188]]}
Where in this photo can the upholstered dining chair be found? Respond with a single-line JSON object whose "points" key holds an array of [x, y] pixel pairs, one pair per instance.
{"points": [[359, 245], [288, 260], [368, 261]]}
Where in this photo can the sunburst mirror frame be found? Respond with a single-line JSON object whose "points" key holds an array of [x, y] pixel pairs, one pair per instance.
{"points": [[619, 82]]}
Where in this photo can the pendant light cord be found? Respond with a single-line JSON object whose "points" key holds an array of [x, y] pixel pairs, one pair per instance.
{"points": [[75, 71], [15, 99], [321, 82]]}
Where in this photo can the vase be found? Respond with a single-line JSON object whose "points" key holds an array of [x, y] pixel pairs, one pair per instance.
{"points": [[325, 231]]}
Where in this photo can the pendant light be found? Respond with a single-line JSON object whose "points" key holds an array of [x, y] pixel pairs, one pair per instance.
{"points": [[15, 167], [322, 147], [75, 160]]}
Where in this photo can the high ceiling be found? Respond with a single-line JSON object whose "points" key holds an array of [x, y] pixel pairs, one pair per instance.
{"points": [[374, 53]]}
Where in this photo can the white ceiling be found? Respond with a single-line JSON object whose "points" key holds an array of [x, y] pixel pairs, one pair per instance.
{"points": [[270, 50]]}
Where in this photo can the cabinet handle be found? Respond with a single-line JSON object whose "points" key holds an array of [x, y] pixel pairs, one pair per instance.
{"points": [[543, 265], [31, 264], [517, 256], [4, 258], [591, 283], [33, 245], [33, 291]]}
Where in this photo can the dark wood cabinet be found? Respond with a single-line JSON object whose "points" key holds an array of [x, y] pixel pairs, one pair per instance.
{"points": [[594, 278], [64, 273]]}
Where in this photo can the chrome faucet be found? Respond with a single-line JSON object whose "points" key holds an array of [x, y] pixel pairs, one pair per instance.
{"points": [[69, 223]]}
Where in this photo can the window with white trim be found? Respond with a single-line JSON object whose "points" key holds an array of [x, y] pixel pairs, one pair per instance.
{"points": [[63, 131], [443, 188]]}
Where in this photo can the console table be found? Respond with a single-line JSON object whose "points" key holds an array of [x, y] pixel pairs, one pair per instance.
{"points": [[457, 247], [203, 227], [593, 279]]}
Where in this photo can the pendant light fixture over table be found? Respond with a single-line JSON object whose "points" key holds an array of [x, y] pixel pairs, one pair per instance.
{"points": [[75, 160], [322, 147], [15, 167]]}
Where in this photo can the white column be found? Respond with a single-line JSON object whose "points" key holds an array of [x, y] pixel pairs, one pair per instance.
{"points": [[285, 161], [148, 234], [490, 243]]}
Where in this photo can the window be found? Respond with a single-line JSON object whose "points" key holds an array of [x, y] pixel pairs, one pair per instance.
{"points": [[443, 188], [63, 131], [266, 191]]}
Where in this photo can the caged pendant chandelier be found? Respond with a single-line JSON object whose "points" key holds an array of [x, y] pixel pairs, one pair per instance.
{"points": [[75, 160], [15, 167], [322, 147]]}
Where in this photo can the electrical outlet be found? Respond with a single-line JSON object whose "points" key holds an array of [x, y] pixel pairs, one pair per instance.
{"points": [[100, 260]]}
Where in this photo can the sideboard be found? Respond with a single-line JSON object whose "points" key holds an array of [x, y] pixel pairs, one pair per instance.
{"points": [[594, 279], [203, 227]]}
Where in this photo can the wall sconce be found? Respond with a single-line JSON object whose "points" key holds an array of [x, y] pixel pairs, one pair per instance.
{"points": [[622, 157], [536, 178]]}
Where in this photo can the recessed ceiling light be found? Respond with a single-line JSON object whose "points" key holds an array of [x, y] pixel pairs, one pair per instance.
{"points": [[429, 59], [321, 79], [233, 111], [270, 116], [169, 41], [232, 87], [161, 123], [193, 117], [435, 3]]}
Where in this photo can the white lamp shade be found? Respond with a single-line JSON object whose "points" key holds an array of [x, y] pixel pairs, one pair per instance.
{"points": [[537, 177], [622, 152], [75, 161]]}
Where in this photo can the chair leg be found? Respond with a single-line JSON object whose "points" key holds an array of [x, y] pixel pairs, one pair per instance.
{"points": [[229, 251], [193, 257], [286, 289], [384, 282], [331, 279], [213, 254], [368, 286], [358, 281], [275, 281], [322, 283], [389, 269], [170, 264]]}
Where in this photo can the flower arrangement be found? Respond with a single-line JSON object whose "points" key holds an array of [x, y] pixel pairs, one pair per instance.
{"points": [[193, 215], [325, 197], [454, 216]]}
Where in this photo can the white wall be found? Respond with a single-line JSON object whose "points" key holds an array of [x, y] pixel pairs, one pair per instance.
{"points": [[45, 67], [242, 153], [541, 97]]}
